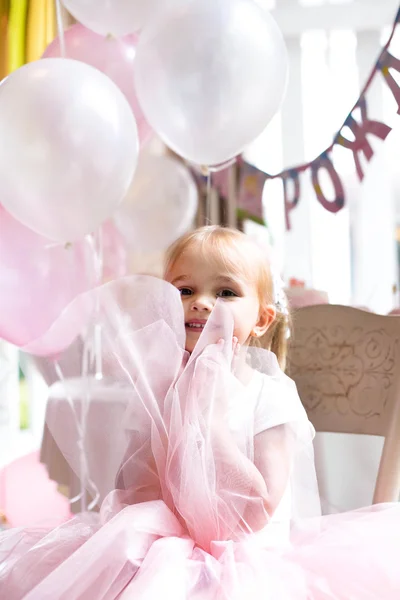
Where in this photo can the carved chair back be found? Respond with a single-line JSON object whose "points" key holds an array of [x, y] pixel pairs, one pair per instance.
{"points": [[346, 365]]}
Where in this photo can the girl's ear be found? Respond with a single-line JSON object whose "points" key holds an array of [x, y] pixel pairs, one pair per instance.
{"points": [[266, 317]]}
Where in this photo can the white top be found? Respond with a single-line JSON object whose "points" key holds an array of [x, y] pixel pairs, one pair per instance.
{"points": [[269, 402]]}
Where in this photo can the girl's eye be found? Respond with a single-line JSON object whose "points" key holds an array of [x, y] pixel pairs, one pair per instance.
{"points": [[185, 291], [226, 294]]}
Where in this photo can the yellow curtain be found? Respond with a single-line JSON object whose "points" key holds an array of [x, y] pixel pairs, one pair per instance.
{"points": [[4, 6], [41, 27], [51, 22], [26, 29], [16, 34]]}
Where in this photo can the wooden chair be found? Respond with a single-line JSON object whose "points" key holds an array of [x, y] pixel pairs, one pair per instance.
{"points": [[346, 364]]}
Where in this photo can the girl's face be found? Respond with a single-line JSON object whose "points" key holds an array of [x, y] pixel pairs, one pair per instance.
{"points": [[201, 283]]}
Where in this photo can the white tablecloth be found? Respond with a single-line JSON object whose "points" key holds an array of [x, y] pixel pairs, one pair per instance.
{"points": [[104, 427]]}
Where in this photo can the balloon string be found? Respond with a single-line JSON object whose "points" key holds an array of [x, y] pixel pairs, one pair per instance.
{"points": [[208, 199], [207, 171], [98, 327], [60, 28], [98, 250], [81, 423], [99, 254], [3, 495]]}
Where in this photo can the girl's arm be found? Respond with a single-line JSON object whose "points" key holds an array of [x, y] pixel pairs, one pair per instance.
{"points": [[273, 458], [253, 488], [263, 482]]}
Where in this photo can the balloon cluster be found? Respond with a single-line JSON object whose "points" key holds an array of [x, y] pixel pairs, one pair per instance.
{"points": [[205, 75]]}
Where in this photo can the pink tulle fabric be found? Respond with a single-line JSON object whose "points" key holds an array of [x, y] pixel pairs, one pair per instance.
{"points": [[190, 517]]}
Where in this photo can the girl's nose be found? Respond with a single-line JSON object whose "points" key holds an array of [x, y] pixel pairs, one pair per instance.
{"points": [[202, 304]]}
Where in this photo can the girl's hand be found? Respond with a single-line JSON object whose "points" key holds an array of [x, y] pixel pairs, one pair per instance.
{"points": [[235, 351]]}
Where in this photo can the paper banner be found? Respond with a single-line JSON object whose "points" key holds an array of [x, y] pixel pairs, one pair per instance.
{"points": [[386, 62], [290, 202], [324, 162], [250, 192], [354, 135]]}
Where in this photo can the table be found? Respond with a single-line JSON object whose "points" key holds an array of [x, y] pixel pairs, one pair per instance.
{"points": [[104, 442]]}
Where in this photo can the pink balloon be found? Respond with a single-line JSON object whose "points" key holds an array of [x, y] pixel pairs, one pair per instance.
{"points": [[115, 256], [38, 279], [114, 57]]}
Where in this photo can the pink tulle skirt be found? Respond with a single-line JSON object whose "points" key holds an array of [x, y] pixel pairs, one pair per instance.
{"points": [[143, 553]]}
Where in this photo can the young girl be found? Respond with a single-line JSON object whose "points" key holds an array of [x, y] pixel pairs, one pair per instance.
{"points": [[216, 496]]}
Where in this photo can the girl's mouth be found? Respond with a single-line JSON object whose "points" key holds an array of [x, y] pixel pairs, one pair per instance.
{"points": [[196, 325]]}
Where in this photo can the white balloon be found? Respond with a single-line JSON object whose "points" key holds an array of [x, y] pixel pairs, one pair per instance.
{"points": [[266, 4], [68, 149], [146, 263], [210, 76], [160, 206], [116, 17]]}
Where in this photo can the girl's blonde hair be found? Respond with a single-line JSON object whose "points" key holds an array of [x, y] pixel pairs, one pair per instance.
{"points": [[242, 255]]}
